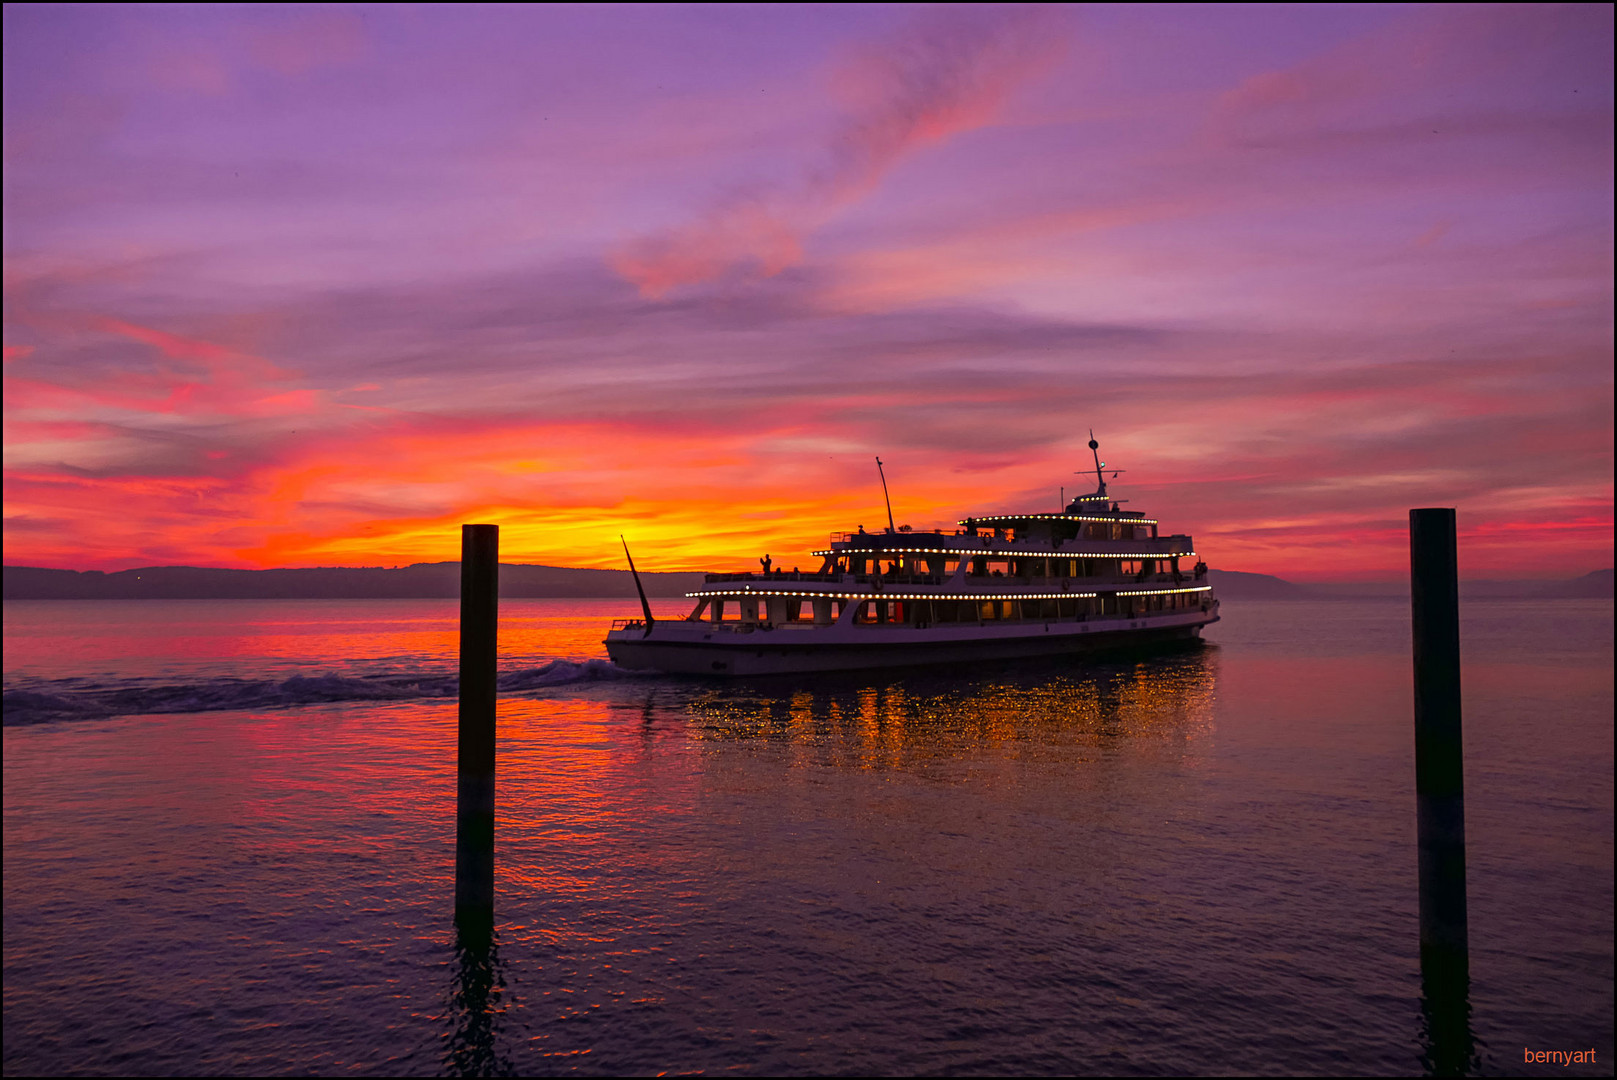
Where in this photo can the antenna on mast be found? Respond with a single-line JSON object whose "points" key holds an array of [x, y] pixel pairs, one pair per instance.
{"points": [[1094, 448], [884, 496]]}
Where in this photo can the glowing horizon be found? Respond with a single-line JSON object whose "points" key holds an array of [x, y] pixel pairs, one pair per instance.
{"points": [[276, 298]]}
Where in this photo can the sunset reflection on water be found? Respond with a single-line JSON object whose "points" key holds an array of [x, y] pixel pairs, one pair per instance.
{"points": [[923, 720], [1172, 863]]}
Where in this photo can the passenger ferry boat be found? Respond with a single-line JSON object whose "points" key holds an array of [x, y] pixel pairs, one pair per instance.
{"points": [[1092, 577]]}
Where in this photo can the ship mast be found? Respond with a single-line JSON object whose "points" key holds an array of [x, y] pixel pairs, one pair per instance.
{"points": [[645, 605], [1100, 477], [887, 500]]}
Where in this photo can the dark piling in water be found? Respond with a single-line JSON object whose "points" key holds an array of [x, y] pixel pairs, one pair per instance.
{"points": [[1439, 776], [1440, 790], [474, 808]]}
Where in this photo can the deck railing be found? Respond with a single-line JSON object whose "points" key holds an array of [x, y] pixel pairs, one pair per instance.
{"points": [[1018, 547], [889, 580], [774, 575]]}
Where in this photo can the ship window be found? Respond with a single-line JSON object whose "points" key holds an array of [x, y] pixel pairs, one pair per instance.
{"points": [[880, 612]]}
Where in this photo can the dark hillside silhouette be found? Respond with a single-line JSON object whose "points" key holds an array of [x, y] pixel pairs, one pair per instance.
{"points": [[520, 581], [422, 580]]}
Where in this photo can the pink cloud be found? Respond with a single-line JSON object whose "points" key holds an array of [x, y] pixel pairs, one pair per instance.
{"points": [[198, 68], [323, 39], [939, 77], [1415, 69], [200, 378], [213, 64]]}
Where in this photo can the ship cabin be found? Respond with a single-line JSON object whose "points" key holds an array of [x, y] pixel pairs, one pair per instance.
{"points": [[1092, 560]]}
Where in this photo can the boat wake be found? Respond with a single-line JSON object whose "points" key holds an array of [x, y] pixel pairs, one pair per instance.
{"points": [[77, 699]]}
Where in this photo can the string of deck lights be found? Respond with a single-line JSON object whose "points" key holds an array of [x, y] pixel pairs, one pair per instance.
{"points": [[1001, 553], [1056, 517], [731, 594]]}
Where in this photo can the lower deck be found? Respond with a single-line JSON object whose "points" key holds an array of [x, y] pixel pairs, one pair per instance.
{"points": [[694, 647], [785, 607]]}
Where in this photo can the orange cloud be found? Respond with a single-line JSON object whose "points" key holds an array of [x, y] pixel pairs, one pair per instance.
{"points": [[397, 492], [1302, 474], [394, 489]]}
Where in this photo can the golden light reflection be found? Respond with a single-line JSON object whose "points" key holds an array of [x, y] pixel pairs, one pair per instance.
{"points": [[1159, 705]]}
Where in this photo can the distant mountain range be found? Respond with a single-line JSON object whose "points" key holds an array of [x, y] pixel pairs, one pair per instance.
{"points": [[422, 580], [1237, 585], [520, 581]]}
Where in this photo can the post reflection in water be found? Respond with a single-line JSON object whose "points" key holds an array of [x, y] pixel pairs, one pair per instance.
{"points": [[1448, 1047], [477, 1002]]}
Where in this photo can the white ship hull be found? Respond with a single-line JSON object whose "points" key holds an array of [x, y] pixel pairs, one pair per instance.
{"points": [[692, 647]]}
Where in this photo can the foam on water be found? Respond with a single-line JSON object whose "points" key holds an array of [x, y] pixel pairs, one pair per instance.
{"points": [[75, 699]]}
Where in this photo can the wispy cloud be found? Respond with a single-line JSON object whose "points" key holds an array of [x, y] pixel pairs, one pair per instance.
{"points": [[188, 377], [948, 72]]}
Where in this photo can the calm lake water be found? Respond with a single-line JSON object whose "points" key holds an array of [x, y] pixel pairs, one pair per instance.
{"points": [[229, 848]]}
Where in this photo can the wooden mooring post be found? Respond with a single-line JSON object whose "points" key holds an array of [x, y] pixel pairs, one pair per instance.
{"points": [[1440, 792], [474, 806], [1439, 772]]}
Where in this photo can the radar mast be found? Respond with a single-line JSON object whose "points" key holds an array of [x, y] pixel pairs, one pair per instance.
{"points": [[1100, 477]]}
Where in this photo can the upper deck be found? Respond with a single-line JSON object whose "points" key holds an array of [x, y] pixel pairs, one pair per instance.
{"points": [[982, 561], [1052, 533], [1093, 542]]}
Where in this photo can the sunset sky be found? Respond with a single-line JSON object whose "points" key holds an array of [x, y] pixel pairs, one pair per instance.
{"points": [[312, 286]]}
